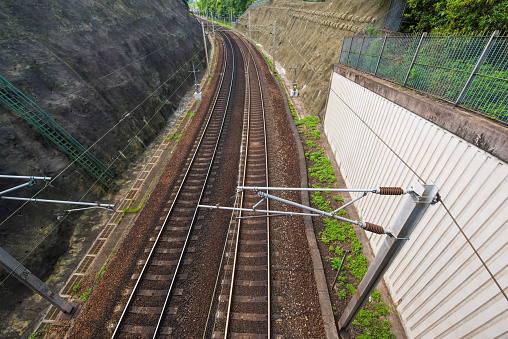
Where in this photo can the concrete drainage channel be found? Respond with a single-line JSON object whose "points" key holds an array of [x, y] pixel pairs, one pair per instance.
{"points": [[120, 222]]}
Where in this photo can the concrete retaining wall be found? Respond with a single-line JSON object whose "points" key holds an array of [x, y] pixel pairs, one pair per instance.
{"points": [[382, 136]]}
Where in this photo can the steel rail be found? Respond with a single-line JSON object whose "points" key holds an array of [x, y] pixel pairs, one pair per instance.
{"points": [[156, 242], [242, 195], [239, 221], [204, 185], [238, 201]]}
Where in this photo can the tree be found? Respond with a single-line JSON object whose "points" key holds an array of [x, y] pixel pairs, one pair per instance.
{"points": [[453, 16], [222, 8]]}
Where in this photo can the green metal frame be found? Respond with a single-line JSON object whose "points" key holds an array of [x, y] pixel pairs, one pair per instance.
{"points": [[13, 98]]}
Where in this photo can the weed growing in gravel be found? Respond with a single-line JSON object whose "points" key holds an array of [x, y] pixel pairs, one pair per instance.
{"points": [[310, 122], [310, 143], [85, 295], [134, 210], [322, 169], [101, 273], [39, 332], [372, 325], [76, 287]]}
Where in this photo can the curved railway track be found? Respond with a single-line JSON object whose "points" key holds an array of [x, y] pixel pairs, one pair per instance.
{"points": [[244, 310], [149, 303], [236, 139]]}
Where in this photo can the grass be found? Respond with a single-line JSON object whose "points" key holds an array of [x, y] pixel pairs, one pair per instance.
{"points": [[39, 332], [101, 273], [85, 295], [76, 287]]}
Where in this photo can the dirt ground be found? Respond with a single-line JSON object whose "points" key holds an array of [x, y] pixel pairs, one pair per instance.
{"points": [[310, 36]]}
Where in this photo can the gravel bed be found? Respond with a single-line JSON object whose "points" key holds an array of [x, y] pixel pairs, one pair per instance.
{"points": [[94, 320], [298, 314]]}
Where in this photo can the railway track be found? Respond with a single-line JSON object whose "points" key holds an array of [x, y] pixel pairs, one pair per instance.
{"points": [[244, 308], [171, 291], [149, 306]]}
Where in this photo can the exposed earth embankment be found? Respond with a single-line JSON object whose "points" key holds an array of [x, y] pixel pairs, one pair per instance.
{"points": [[311, 35]]}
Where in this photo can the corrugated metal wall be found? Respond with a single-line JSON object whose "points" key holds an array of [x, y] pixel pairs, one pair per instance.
{"points": [[440, 286]]}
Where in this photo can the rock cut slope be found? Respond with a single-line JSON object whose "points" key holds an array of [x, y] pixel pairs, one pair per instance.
{"points": [[86, 63]]}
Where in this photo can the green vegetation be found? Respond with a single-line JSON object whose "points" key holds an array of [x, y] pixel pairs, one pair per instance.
{"points": [[322, 169], [136, 209], [453, 16], [40, 331], [445, 73], [222, 8], [177, 136], [341, 236], [101, 273], [76, 287], [85, 295], [310, 143], [373, 326]]}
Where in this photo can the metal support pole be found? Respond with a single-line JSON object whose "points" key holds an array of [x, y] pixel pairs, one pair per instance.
{"points": [[340, 269], [365, 225], [381, 54], [250, 31], [195, 78], [294, 91], [414, 58], [360, 54], [379, 190], [349, 203], [30, 183], [21, 273], [274, 47], [24, 177], [476, 68], [107, 206], [296, 68], [404, 225], [206, 48]]}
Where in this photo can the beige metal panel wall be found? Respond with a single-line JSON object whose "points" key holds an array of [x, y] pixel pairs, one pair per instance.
{"points": [[441, 288]]}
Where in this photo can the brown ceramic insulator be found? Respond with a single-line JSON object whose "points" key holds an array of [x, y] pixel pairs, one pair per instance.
{"points": [[391, 191], [374, 228]]}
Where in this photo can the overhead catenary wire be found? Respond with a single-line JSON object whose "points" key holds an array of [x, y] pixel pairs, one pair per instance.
{"points": [[473, 248], [440, 199], [103, 136], [281, 32], [96, 181], [85, 84]]}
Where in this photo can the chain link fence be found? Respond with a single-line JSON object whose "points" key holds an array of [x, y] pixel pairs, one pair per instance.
{"points": [[469, 71]]}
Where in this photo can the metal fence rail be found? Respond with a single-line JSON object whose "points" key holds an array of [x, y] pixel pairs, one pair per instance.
{"points": [[469, 71]]}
